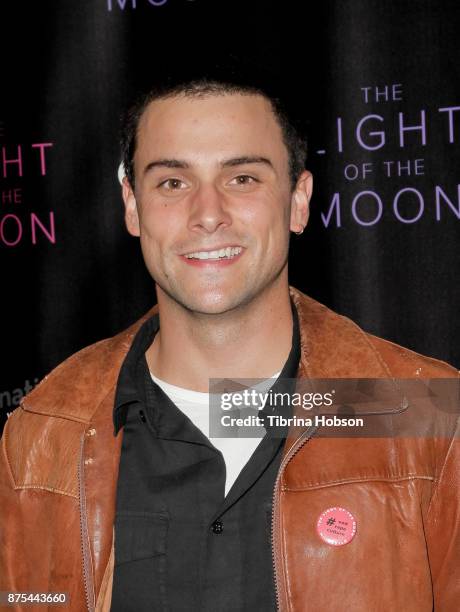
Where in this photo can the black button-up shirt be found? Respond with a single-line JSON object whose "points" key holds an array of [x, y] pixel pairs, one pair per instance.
{"points": [[180, 543]]}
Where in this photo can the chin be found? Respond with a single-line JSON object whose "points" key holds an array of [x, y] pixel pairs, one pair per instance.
{"points": [[211, 306], [205, 299], [212, 303]]}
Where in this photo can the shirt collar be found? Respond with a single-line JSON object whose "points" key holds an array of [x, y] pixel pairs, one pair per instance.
{"points": [[285, 383], [128, 389]]}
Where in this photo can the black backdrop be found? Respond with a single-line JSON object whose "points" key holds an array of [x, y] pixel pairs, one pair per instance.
{"points": [[382, 243]]}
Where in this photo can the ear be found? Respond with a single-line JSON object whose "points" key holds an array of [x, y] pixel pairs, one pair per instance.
{"points": [[300, 202], [131, 213]]}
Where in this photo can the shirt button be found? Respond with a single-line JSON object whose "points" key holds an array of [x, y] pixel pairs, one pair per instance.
{"points": [[217, 527]]}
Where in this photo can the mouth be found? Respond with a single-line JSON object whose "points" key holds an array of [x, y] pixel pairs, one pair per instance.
{"points": [[221, 256], [225, 253]]}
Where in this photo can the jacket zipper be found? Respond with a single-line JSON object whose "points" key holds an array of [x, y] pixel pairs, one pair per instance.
{"points": [[86, 555], [296, 446]]}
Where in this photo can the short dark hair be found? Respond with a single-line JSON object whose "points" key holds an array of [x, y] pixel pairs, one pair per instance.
{"points": [[295, 142]]}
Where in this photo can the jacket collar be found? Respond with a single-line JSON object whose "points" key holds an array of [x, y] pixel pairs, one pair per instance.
{"points": [[332, 346], [86, 377]]}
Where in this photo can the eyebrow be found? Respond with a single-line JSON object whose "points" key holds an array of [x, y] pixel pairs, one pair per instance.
{"points": [[239, 161], [234, 161]]}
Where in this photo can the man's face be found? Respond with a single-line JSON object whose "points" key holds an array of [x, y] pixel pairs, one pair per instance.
{"points": [[212, 204]]}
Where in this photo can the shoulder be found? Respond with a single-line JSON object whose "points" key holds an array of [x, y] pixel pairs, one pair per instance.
{"points": [[46, 430], [343, 348], [407, 362], [74, 388]]}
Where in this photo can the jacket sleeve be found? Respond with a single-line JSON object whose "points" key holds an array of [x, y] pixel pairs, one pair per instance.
{"points": [[39, 524], [443, 531], [9, 511]]}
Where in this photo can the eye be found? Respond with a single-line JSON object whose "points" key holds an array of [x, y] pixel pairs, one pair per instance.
{"points": [[243, 179], [172, 184]]}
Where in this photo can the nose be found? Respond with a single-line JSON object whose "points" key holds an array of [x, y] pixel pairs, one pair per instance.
{"points": [[208, 210]]}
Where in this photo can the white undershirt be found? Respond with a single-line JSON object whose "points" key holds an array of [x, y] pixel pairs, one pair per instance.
{"points": [[236, 451]]}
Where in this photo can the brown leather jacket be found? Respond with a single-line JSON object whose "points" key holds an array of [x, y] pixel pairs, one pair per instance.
{"points": [[58, 475]]}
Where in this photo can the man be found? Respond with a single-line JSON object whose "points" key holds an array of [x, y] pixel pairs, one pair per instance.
{"points": [[112, 490]]}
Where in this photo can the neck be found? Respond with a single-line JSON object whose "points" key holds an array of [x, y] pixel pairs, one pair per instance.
{"points": [[251, 341]]}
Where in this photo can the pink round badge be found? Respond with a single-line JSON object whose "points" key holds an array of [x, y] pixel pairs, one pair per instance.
{"points": [[336, 526]]}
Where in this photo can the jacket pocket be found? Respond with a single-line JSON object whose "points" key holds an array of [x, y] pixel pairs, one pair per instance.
{"points": [[140, 568]]}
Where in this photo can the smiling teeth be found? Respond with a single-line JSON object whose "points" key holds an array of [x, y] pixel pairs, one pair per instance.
{"points": [[227, 253]]}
